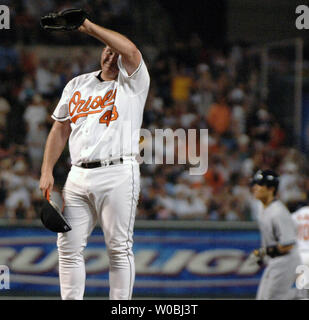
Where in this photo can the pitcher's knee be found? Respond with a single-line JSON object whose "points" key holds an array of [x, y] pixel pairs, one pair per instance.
{"points": [[119, 256], [70, 258]]}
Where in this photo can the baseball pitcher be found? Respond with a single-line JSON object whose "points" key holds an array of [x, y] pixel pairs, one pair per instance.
{"points": [[278, 234], [100, 113]]}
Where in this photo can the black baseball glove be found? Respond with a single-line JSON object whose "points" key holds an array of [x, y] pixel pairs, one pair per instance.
{"points": [[66, 20]]}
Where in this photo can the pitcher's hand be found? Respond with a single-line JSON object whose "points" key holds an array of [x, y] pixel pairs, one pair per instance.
{"points": [[46, 183]]}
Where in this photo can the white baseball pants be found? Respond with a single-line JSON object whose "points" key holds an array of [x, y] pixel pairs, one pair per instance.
{"points": [[278, 278], [108, 195]]}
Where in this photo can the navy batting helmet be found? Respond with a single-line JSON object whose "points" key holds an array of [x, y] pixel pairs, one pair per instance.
{"points": [[266, 178]]}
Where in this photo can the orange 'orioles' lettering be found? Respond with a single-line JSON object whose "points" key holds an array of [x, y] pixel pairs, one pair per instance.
{"points": [[74, 101], [109, 115], [97, 102], [109, 98], [78, 107], [85, 108]]}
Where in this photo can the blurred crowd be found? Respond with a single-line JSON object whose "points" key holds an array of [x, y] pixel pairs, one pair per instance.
{"points": [[220, 90], [192, 87]]}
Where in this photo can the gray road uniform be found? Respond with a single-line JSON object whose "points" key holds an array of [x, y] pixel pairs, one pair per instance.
{"points": [[277, 227]]}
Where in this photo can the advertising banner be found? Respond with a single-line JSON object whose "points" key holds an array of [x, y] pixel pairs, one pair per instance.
{"points": [[169, 263]]}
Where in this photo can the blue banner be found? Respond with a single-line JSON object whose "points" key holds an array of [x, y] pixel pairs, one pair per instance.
{"points": [[201, 263]]}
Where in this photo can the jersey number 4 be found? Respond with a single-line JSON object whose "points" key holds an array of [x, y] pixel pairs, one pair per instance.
{"points": [[109, 115]]}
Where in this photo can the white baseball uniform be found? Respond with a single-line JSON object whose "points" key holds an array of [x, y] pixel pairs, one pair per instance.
{"points": [[105, 120], [301, 219]]}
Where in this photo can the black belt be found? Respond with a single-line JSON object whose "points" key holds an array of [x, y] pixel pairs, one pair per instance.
{"points": [[97, 164]]}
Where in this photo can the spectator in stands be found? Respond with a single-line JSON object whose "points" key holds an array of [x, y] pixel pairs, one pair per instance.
{"points": [[44, 79], [35, 117], [5, 108], [162, 73], [290, 183], [165, 202], [182, 83], [18, 202], [219, 116], [277, 135], [203, 90], [27, 90], [5, 149], [261, 124], [214, 179], [8, 56]]}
